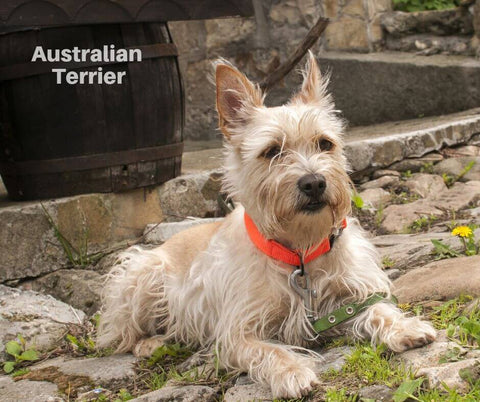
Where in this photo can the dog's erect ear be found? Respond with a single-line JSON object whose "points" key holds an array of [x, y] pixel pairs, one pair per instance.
{"points": [[314, 87], [236, 97]]}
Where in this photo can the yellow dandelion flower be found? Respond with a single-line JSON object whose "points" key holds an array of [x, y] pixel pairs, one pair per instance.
{"points": [[462, 231]]}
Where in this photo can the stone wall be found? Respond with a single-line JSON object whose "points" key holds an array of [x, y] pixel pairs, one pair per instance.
{"points": [[355, 25], [257, 45]]}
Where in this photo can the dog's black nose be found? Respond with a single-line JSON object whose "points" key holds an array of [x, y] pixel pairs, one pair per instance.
{"points": [[312, 185]]}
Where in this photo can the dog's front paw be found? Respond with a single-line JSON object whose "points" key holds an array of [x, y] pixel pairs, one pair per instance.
{"points": [[293, 382], [411, 333], [146, 346]]}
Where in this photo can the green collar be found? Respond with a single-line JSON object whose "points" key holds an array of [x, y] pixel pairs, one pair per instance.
{"points": [[348, 311]]}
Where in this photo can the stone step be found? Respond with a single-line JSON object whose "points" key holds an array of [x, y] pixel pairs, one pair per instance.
{"points": [[425, 44], [457, 21], [390, 86], [33, 233], [380, 145]]}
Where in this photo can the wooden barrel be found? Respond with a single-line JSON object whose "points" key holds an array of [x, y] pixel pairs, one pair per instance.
{"points": [[59, 140]]}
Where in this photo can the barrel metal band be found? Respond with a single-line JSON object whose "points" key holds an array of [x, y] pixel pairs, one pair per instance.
{"points": [[87, 162], [23, 70]]}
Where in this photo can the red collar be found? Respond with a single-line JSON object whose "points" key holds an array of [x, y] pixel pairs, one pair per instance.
{"points": [[279, 252]]}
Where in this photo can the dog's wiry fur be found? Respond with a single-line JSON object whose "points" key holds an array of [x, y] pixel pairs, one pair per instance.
{"points": [[209, 286]]}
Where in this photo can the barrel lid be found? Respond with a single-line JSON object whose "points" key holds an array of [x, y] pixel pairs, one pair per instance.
{"points": [[24, 14]]}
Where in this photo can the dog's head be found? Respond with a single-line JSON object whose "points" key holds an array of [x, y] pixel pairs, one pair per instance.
{"points": [[284, 164]]}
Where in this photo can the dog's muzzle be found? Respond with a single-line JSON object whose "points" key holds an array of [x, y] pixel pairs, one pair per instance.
{"points": [[313, 186]]}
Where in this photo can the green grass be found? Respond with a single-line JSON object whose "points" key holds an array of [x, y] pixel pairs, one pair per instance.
{"points": [[448, 312], [388, 262], [424, 5], [158, 376], [465, 170], [80, 341], [123, 395], [422, 224], [77, 256], [171, 353], [450, 180], [442, 251], [156, 380], [357, 200], [427, 168], [161, 368], [372, 366], [447, 394], [341, 395], [403, 197]]}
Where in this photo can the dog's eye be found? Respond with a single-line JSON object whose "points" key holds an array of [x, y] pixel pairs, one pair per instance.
{"points": [[270, 153], [324, 145]]}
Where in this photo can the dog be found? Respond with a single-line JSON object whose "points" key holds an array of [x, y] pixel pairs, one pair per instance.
{"points": [[252, 288]]}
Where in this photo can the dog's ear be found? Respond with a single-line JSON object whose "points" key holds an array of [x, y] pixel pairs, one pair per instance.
{"points": [[236, 97], [314, 86]]}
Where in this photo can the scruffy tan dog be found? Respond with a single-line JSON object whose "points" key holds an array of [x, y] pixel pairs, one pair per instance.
{"points": [[254, 287]]}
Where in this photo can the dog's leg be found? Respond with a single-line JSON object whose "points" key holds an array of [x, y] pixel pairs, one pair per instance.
{"points": [[289, 374], [385, 323]]}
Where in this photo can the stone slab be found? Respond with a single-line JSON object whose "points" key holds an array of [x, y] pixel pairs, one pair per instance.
{"points": [[332, 359], [405, 85], [28, 391], [376, 392], [109, 371], [381, 182], [40, 319], [186, 393], [429, 44], [449, 374], [159, 233], [439, 22], [375, 197], [204, 159], [407, 251], [248, 392], [30, 246], [428, 361], [190, 195], [398, 218], [425, 185], [440, 280], [456, 166], [417, 164], [80, 288]]}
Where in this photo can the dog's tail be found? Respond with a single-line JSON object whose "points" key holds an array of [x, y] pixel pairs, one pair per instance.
{"points": [[134, 303]]}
